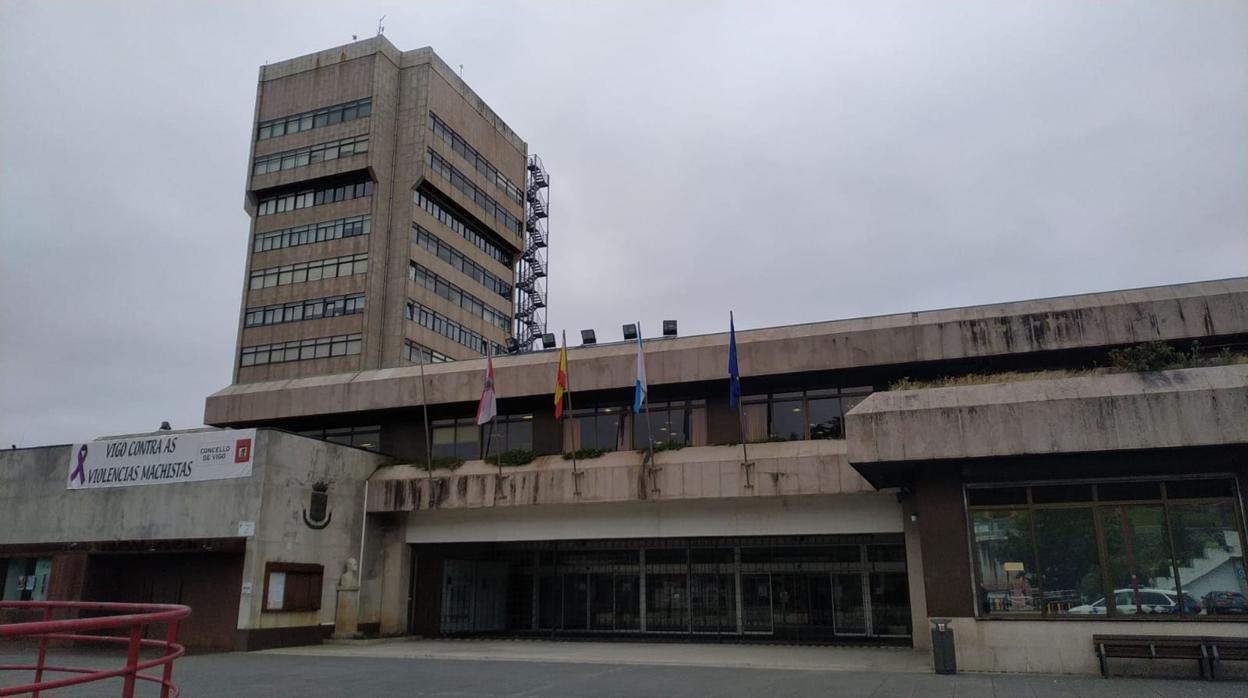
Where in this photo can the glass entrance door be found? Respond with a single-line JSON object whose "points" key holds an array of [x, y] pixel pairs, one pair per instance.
{"points": [[850, 614]]}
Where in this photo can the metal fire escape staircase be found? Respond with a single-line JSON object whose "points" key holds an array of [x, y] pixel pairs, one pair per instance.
{"points": [[533, 265]]}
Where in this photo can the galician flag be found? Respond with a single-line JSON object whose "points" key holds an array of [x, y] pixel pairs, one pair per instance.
{"points": [[488, 407], [561, 380], [639, 395], [734, 375]]}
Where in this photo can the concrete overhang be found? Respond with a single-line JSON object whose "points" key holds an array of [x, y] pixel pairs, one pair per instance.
{"points": [[779, 469], [1196, 310], [892, 433]]}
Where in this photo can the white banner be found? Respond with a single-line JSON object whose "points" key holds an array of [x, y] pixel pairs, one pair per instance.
{"points": [[161, 459]]}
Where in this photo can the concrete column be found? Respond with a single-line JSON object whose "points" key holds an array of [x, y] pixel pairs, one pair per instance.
{"points": [[914, 574], [397, 560]]}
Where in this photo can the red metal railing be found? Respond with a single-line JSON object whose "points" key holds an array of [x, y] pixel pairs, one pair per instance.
{"points": [[132, 617]]}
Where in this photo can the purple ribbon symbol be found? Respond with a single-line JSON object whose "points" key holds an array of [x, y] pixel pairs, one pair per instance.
{"points": [[80, 472]]}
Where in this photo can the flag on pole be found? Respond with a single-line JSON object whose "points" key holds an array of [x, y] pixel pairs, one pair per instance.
{"points": [[561, 381], [639, 395], [488, 407], [734, 375]]}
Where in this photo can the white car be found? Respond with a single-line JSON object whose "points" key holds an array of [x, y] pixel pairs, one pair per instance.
{"points": [[1161, 601]]}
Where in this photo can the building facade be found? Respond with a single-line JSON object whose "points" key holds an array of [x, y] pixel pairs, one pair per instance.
{"points": [[879, 486], [388, 217], [1016, 467]]}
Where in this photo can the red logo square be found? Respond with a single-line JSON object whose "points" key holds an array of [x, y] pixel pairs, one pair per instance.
{"points": [[242, 450]]}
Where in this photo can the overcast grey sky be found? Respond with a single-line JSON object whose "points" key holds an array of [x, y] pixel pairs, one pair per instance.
{"points": [[794, 161]]}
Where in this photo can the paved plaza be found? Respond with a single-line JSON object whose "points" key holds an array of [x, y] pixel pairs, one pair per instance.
{"points": [[474, 668]]}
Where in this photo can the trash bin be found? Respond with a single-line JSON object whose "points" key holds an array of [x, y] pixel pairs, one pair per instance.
{"points": [[943, 658]]}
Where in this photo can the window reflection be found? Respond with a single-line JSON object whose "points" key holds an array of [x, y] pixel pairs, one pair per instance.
{"points": [[1179, 555]]}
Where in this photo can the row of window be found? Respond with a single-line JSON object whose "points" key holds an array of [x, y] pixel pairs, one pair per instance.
{"points": [[448, 328], [420, 354], [1138, 549], [311, 309], [301, 350], [799, 415], [472, 157], [309, 271], [466, 231], [451, 256], [307, 234], [457, 179], [456, 295], [290, 159], [306, 121], [282, 203], [462, 438], [366, 437]]}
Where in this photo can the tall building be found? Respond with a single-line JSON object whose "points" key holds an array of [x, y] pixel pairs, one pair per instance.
{"points": [[388, 218]]}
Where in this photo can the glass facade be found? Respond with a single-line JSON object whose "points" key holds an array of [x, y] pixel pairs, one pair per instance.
{"points": [[811, 588], [1156, 549], [800, 414]]}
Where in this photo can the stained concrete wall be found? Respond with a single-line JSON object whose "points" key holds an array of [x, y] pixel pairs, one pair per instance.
{"points": [[769, 516], [780, 469], [1185, 311], [292, 464], [1065, 647], [1163, 409], [38, 510], [36, 506]]}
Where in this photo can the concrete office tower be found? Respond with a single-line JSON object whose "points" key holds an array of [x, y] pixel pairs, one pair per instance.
{"points": [[388, 216]]}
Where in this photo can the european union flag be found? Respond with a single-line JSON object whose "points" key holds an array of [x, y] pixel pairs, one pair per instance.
{"points": [[734, 375]]}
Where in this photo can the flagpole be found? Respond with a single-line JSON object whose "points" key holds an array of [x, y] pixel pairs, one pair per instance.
{"points": [[567, 378], [745, 454], [735, 375], [424, 405], [649, 428]]}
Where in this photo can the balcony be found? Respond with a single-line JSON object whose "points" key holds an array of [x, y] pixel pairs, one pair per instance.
{"points": [[704, 472]]}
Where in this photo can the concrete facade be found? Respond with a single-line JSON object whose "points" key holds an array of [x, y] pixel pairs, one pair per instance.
{"points": [[850, 513], [403, 91], [79, 529], [902, 344], [935, 442]]}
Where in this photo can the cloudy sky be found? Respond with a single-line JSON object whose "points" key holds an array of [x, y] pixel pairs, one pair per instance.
{"points": [[794, 161]]}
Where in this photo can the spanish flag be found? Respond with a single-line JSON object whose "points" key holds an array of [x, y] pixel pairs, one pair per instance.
{"points": [[561, 379]]}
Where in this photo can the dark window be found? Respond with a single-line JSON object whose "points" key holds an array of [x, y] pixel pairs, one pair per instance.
{"points": [[305, 121], [595, 427], [1132, 553], [799, 415], [682, 422], [457, 438], [510, 433], [290, 586]]}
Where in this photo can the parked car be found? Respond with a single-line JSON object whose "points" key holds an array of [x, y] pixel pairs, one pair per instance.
{"points": [[1225, 602], [1151, 601]]}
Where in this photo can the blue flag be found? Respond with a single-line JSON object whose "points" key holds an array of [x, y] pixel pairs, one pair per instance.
{"points": [[641, 389], [734, 375]]}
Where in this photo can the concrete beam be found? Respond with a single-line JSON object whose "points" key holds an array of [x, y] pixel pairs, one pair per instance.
{"points": [[1125, 411], [1186, 311]]}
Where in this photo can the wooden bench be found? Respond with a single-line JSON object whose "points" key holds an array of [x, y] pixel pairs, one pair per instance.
{"points": [[1150, 647], [1220, 648]]}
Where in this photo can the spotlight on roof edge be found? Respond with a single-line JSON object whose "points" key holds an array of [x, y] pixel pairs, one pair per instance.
{"points": [[669, 328], [512, 345], [548, 341], [588, 337], [630, 331]]}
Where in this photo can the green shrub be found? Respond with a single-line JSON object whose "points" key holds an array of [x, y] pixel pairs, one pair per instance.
{"points": [[663, 446], [512, 458], [441, 463], [1153, 356], [585, 453]]}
